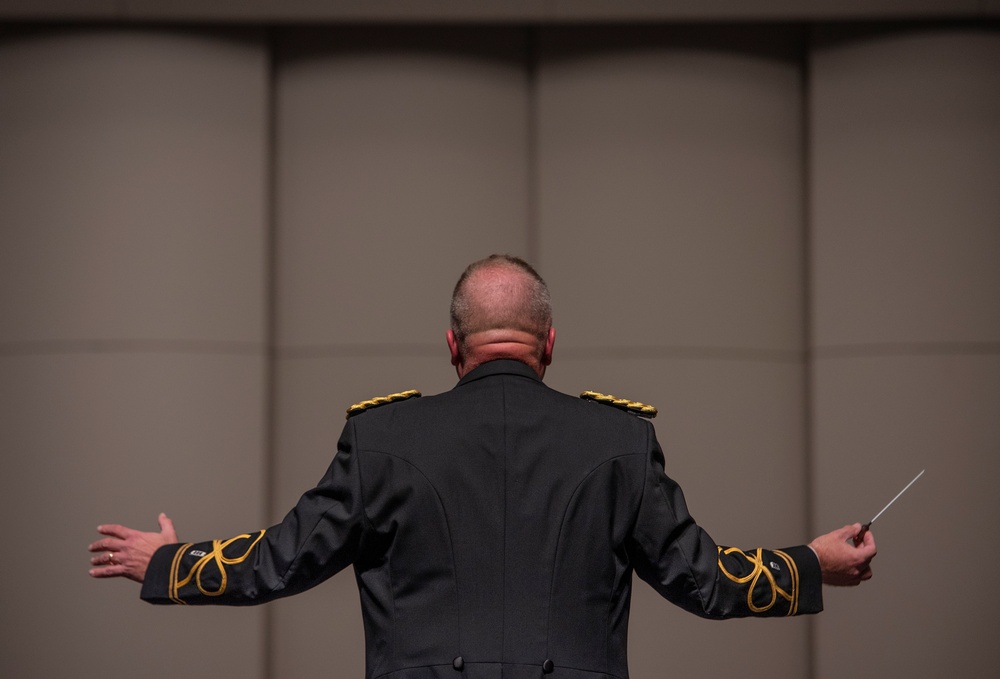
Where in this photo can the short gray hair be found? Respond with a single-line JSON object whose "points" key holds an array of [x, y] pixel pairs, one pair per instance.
{"points": [[521, 303]]}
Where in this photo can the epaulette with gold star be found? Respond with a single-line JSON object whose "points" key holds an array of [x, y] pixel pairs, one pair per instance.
{"points": [[381, 401], [623, 403]]}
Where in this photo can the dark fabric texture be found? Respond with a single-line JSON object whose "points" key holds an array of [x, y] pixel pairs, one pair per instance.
{"points": [[494, 527]]}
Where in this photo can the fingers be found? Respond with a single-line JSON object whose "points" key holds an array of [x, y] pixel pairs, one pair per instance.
{"points": [[113, 564], [867, 546], [852, 533], [117, 535], [106, 545], [860, 537], [857, 578], [114, 571], [848, 532], [126, 552], [108, 565], [104, 559], [167, 528], [115, 530], [843, 562]]}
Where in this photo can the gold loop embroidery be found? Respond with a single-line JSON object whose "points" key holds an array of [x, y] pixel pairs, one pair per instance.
{"points": [[753, 577], [216, 556]]}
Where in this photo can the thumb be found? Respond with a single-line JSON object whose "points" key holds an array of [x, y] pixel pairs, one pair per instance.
{"points": [[849, 531], [167, 528]]}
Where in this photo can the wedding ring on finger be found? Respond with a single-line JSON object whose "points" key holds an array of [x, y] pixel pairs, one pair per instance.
{"points": [[111, 558]]}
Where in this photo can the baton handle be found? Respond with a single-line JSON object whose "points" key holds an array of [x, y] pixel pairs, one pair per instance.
{"points": [[860, 537]]}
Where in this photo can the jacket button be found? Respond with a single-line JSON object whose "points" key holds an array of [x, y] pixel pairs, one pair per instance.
{"points": [[458, 663], [548, 666]]}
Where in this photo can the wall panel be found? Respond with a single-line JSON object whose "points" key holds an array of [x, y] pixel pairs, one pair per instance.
{"points": [[906, 148], [133, 187], [670, 224], [907, 151], [131, 352], [402, 157]]}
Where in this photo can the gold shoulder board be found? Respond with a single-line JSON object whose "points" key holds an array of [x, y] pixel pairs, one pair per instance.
{"points": [[381, 401], [623, 403]]}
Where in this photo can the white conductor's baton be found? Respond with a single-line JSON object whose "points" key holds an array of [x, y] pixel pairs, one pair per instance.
{"points": [[859, 538]]}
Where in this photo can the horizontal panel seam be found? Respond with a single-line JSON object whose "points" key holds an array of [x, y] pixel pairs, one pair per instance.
{"points": [[360, 350], [685, 352], [162, 346], [129, 346], [885, 349]]}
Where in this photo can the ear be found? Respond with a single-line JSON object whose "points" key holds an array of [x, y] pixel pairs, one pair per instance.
{"points": [[456, 355], [550, 343]]}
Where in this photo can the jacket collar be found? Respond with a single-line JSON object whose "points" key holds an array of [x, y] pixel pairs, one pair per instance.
{"points": [[502, 366]]}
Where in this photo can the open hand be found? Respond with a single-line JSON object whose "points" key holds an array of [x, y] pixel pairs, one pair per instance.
{"points": [[125, 552]]}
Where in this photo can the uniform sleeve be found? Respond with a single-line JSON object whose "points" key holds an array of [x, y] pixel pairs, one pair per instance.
{"points": [[315, 540], [682, 562]]}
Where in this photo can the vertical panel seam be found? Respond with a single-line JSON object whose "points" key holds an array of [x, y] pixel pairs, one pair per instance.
{"points": [[808, 377], [533, 237], [270, 316]]}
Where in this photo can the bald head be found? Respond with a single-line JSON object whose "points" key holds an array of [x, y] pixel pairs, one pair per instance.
{"points": [[500, 309]]}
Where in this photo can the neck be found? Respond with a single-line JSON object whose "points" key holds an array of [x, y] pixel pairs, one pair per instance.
{"points": [[490, 345]]}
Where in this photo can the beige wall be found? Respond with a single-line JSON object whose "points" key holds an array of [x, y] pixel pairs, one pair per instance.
{"points": [[906, 337], [132, 346], [787, 243]]}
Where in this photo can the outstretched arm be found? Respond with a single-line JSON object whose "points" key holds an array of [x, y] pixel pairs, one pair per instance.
{"points": [[842, 563], [317, 538], [125, 552]]}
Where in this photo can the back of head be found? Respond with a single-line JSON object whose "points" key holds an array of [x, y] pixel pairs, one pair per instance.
{"points": [[500, 293]]}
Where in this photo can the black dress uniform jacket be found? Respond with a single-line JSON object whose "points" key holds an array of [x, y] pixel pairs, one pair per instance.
{"points": [[494, 530]]}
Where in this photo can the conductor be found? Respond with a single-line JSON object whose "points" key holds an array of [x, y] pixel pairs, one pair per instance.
{"points": [[494, 529]]}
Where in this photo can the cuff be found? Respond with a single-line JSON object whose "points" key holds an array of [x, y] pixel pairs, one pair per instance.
{"points": [[156, 584], [810, 578]]}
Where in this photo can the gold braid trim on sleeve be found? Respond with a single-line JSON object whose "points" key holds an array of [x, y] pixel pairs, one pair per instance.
{"points": [[217, 557], [174, 567], [760, 569]]}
